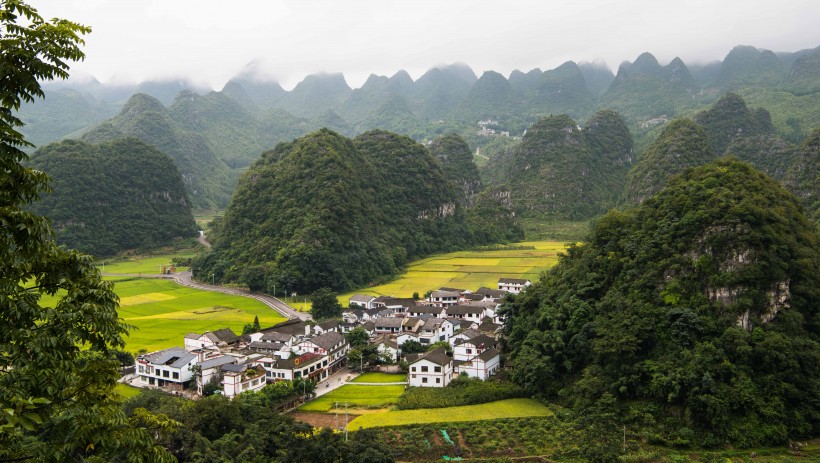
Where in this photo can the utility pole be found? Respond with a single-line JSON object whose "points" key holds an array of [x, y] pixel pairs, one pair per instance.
{"points": [[345, 421], [212, 279]]}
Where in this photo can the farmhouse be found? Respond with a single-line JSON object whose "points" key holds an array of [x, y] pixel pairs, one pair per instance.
{"points": [[169, 368], [241, 378], [361, 300], [513, 285], [212, 339], [444, 298], [432, 369]]}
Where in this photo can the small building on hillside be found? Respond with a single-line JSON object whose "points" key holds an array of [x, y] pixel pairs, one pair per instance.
{"points": [[237, 379], [364, 301]]}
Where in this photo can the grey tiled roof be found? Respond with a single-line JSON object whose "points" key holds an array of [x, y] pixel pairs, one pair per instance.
{"points": [[217, 361], [175, 357]]}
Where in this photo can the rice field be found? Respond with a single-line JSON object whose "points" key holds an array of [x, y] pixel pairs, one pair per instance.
{"points": [[469, 269], [355, 396], [145, 265], [163, 312], [380, 378], [510, 408]]}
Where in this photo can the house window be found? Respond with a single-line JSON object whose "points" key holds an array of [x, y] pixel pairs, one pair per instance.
{"points": [[437, 369], [142, 369], [165, 374], [438, 380], [424, 379], [175, 375], [414, 376], [412, 368], [424, 369], [469, 351]]}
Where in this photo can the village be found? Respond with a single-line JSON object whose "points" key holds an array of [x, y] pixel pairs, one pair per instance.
{"points": [[457, 330]]}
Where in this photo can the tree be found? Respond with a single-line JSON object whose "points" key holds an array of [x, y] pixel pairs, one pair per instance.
{"points": [[325, 305], [357, 337], [57, 370]]}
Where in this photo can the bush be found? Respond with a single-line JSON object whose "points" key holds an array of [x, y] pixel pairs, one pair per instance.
{"points": [[461, 391]]}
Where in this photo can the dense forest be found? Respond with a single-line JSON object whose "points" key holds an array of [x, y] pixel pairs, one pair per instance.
{"points": [[694, 313], [113, 197], [328, 211]]}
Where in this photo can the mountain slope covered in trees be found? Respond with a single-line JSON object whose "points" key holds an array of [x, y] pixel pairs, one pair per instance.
{"points": [[328, 211], [114, 196], [698, 309]]}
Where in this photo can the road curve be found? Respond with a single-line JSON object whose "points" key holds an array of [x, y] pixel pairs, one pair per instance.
{"points": [[185, 279]]}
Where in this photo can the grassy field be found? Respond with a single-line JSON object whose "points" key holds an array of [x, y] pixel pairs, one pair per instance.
{"points": [[126, 392], [147, 265], [380, 378], [469, 269], [511, 408], [356, 397], [163, 312]]}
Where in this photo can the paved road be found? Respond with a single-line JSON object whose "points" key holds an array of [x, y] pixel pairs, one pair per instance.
{"points": [[184, 279]]}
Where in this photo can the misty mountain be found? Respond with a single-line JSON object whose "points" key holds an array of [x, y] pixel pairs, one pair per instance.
{"points": [[208, 180]]}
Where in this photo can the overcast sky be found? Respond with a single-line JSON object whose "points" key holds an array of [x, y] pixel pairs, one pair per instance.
{"points": [[210, 41]]}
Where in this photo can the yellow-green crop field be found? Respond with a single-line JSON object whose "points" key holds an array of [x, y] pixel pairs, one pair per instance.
{"points": [[144, 265], [356, 396], [469, 269], [163, 312], [510, 408]]}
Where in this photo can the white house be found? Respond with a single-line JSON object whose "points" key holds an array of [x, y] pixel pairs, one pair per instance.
{"points": [[211, 369], [362, 300], [513, 285], [386, 345], [435, 330], [480, 366], [432, 369], [466, 349], [210, 339], [473, 313], [387, 325], [444, 298], [331, 344], [168, 368], [307, 365], [242, 378]]}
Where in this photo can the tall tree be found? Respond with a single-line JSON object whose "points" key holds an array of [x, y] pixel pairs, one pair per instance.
{"points": [[57, 369], [325, 304]]}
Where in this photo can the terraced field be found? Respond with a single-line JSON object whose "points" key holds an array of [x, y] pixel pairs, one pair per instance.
{"points": [[356, 397], [469, 269], [511, 408]]}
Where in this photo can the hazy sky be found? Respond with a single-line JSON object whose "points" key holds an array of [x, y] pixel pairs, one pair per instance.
{"points": [[210, 41]]}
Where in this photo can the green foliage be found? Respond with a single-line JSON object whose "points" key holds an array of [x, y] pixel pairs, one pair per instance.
{"points": [[325, 304], [208, 179], [461, 391], [112, 197], [57, 363], [701, 301], [803, 177], [326, 211], [682, 144], [730, 119], [555, 173]]}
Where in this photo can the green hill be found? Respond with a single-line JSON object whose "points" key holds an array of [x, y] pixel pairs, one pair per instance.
{"points": [[693, 315], [746, 65], [803, 177], [681, 144], [113, 196], [208, 180], [457, 165], [553, 173], [730, 119]]}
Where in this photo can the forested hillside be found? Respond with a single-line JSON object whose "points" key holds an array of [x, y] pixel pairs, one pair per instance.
{"points": [[208, 180], [328, 211], [562, 171], [113, 196], [694, 313]]}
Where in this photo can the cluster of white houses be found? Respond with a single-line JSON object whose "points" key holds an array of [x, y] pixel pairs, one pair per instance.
{"points": [[468, 321]]}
